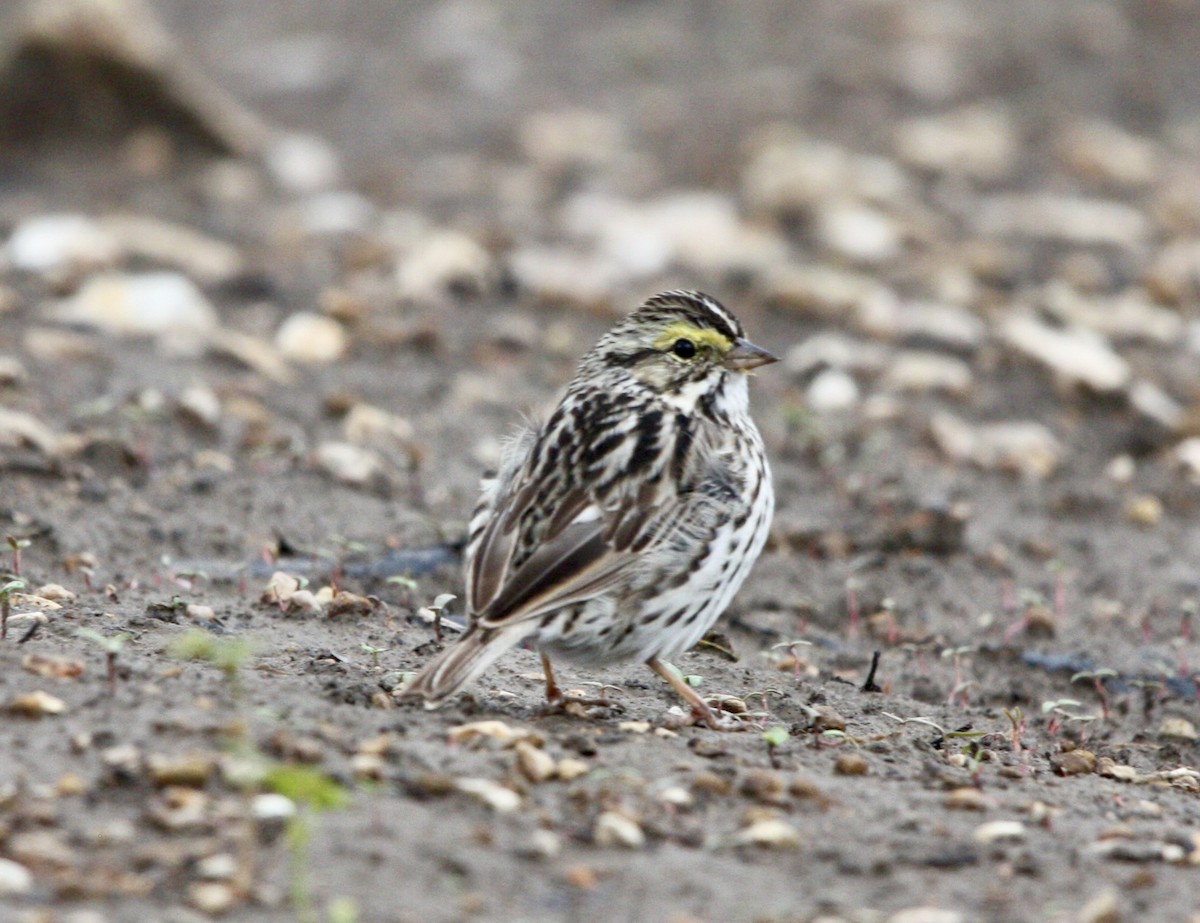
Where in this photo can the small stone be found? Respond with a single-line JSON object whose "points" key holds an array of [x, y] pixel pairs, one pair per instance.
{"points": [[571, 139], [822, 291], [350, 464], [927, 373], [535, 764], [1078, 221], [311, 339], [1174, 276], [1105, 907], [218, 867], [200, 404], [193, 769], [54, 666], [280, 588], [179, 809], [1156, 405], [443, 263], [977, 141], [36, 704], [827, 719], [1101, 151], [1074, 763], [1022, 447], [499, 798], [542, 844], [565, 275], [12, 373], [677, 796], [490, 729], [166, 305], [770, 832], [999, 830], [926, 915], [613, 828], [967, 799], [1144, 510], [303, 164], [1187, 455], [1111, 769], [1075, 356], [832, 391], [201, 257], [1121, 469], [272, 807], [40, 848], [851, 764], [763, 785], [124, 760], [211, 897], [378, 429], [1128, 316], [571, 768], [14, 878], [53, 243], [859, 233], [368, 766], [1176, 728], [20, 430]]}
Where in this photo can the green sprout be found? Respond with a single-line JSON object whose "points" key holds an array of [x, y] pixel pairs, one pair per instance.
{"points": [[17, 545], [314, 792], [373, 653], [228, 655], [434, 612], [112, 645]]}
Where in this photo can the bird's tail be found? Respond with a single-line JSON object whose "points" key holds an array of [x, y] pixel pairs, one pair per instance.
{"points": [[463, 662]]}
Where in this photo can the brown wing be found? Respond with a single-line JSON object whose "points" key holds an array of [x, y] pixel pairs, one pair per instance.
{"points": [[584, 537]]}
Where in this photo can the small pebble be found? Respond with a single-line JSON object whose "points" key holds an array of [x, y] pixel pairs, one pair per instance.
{"points": [[311, 339], [851, 764], [14, 878], [999, 830], [1074, 763], [613, 828], [770, 832]]}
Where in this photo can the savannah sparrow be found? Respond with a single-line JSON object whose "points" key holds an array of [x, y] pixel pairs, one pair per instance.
{"points": [[622, 528]]}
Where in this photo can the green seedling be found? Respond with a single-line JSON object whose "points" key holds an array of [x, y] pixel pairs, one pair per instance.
{"points": [[313, 792], [228, 655], [434, 611], [112, 645], [1097, 678], [407, 585], [17, 545], [374, 652], [774, 737]]}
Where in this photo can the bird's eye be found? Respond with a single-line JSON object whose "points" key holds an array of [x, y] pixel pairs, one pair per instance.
{"points": [[684, 349]]}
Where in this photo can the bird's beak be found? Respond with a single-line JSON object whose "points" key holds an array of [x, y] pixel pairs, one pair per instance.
{"points": [[744, 356]]}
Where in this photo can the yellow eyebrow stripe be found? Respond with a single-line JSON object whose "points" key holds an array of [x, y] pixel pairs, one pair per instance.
{"points": [[699, 336]]}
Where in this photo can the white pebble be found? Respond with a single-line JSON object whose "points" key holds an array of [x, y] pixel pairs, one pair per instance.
{"points": [[53, 242], [14, 878], [161, 304], [311, 339], [832, 391], [615, 829]]}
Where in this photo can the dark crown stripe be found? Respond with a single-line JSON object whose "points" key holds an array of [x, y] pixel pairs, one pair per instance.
{"points": [[706, 308]]}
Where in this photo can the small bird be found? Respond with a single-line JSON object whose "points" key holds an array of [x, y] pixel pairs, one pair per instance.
{"points": [[622, 528]]}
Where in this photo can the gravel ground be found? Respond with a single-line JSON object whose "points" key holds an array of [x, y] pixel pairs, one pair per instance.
{"points": [[277, 278]]}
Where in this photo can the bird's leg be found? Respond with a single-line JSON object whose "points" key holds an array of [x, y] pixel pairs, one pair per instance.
{"points": [[553, 692], [702, 712], [557, 700]]}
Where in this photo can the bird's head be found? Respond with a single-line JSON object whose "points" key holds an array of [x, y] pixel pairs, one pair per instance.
{"points": [[681, 344]]}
